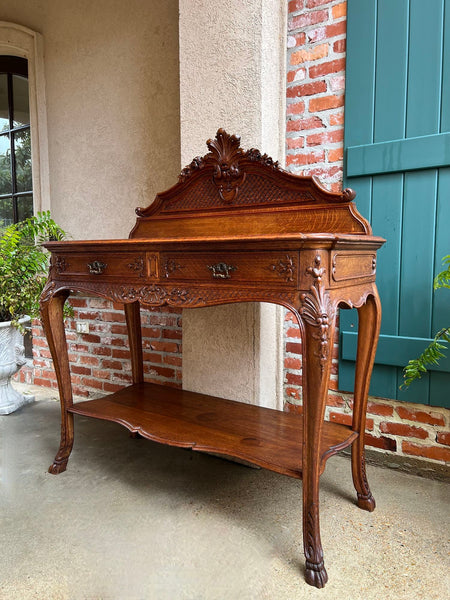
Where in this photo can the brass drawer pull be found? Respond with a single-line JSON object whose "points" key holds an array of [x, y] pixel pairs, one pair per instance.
{"points": [[221, 270], [96, 267]]}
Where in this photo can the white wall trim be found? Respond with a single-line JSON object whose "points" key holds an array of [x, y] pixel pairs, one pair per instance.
{"points": [[16, 40]]}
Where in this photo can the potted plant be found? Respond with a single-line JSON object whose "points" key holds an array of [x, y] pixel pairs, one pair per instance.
{"points": [[23, 273]]}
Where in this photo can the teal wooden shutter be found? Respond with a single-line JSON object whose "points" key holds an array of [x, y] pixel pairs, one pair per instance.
{"points": [[397, 147]]}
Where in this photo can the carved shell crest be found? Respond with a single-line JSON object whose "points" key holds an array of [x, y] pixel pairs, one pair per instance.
{"points": [[225, 154]]}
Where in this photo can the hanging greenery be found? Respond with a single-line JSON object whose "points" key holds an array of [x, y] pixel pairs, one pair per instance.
{"points": [[435, 351]]}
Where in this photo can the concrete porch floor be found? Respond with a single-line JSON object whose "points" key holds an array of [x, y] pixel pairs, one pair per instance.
{"points": [[132, 519]]}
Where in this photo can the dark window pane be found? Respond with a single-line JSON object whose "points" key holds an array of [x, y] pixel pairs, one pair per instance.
{"points": [[24, 207], [6, 213], [15, 146], [5, 165], [22, 150], [20, 99], [4, 114]]}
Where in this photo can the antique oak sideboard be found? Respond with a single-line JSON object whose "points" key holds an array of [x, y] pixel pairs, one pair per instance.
{"points": [[235, 228]]}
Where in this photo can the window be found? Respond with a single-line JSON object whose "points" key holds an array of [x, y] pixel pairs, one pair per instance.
{"points": [[16, 188]]}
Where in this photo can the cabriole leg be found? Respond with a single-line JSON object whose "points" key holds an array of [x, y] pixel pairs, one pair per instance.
{"points": [[316, 369], [53, 322], [368, 329], [318, 317]]}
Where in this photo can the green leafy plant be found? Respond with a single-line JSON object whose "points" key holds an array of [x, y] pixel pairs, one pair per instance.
{"points": [[435, 351], [24, 265]]}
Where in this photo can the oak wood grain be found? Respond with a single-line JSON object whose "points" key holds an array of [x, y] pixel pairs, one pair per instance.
{"points": [[266, 437], [235, 228]]}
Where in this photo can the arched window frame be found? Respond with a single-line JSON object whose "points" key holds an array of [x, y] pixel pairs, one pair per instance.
{"points": [[16, 40]]}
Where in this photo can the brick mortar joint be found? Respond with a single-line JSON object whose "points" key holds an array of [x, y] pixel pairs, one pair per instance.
{"points": [[432, 430], [309, 44], [395, 417], [316, 9], [399, 452], [397, 403], [426, 444]]}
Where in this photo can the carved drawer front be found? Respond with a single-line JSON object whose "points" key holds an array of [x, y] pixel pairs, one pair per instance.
{"points": [[350, 265], [103, 265], [222, 267]]}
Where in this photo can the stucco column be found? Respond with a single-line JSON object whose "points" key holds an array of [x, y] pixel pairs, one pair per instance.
{"points": [[232, 75]]}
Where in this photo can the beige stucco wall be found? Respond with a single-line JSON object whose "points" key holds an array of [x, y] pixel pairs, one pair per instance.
{"points": [[232, 73], [112, 95]]}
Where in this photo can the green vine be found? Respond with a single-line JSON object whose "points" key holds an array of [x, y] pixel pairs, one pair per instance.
{"points": [[435, 351]]}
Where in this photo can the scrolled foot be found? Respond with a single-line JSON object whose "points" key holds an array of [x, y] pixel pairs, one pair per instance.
{"points": [[58, 466], [316, 574], [366, 502]]}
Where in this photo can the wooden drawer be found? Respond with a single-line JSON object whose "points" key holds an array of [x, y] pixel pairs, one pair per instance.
{"points": [[126, 265], [346, 266], [250, 267]]}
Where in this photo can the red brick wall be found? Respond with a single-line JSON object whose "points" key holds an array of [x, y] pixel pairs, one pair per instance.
{"points": [[315, 89], [100, 359], [314, 138]]}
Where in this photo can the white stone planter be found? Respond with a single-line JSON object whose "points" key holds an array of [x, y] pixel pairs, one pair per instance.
{"points": [[12, 358]]}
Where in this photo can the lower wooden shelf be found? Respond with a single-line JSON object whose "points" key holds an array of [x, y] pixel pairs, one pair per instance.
{"points": [[269, 438]]}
